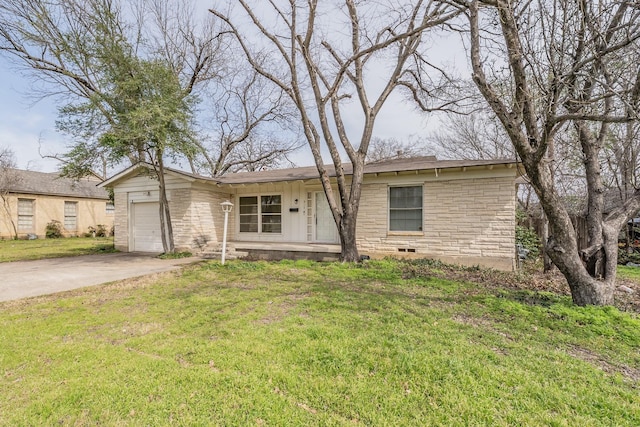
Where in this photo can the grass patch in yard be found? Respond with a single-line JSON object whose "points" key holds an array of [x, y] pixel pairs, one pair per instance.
{"points": [[21, 250], [631, 273], [175, 255], [304, 343]]}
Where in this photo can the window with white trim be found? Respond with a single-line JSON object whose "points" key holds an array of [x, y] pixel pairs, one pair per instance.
{"points": [[111, 208], [405, 208], [260, 214], [71, 216], [26, 209]]}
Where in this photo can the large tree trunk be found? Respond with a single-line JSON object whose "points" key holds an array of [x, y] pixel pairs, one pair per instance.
{"points": [[348, 246], [585, 289]]}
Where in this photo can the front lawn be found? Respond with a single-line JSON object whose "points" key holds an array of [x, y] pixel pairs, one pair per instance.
{"points": [[21, 250], [304, 343]]}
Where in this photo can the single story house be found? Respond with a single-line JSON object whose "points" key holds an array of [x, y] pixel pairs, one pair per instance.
{"points": [[460, 211], [30, 200]]}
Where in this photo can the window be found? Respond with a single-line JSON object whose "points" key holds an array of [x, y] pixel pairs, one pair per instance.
{"points": [[25, 214], [111, 208], [405, 208], [71, 216], [264, 217], [249, 214], [271, 209]]}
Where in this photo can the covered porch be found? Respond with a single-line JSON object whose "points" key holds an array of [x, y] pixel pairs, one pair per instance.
{"points": [[287, 250]]}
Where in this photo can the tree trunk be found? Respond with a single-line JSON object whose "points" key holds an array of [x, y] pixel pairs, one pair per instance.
{"points": [[5, 203], [348, 246], [563, 249], [168, 244], [547, 265], [586, 290]]}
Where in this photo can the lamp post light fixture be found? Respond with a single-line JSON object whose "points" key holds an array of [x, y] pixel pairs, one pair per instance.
{"points": [[226, 208]]}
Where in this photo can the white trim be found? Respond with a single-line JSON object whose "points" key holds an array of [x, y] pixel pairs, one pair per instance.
{"points": [[259, 214]]}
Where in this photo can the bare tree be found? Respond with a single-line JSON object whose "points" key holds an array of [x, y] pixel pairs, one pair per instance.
{"points": [[128, 78], [476, 135], [554, 67], [381, 149], [320, 55], [250, 126], [9, 178]]}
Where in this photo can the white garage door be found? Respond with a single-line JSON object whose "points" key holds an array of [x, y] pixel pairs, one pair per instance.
{"points": [[146, 228]]}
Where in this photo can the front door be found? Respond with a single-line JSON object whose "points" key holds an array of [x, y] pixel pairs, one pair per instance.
{"points": [[326, 230]]}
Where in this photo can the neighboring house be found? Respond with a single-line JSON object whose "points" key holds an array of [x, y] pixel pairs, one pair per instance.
{"points": [[30, 200], [457, 211]]}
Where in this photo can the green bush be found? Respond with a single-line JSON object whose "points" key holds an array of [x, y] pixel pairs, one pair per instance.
{"points": [[624, 257], [97, 231], [53, 230], [528, 238]]}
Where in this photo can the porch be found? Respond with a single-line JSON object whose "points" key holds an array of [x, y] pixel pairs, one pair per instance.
{"points": [[288, 250]]}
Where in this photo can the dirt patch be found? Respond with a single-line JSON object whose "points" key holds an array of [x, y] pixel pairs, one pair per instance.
{"points": [[480, 322], [586, 355], [530, 280], [282, 309], [476, 322]]}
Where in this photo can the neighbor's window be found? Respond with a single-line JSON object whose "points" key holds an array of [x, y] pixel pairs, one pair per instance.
{"points": [[264, 217], [405, 208], [111, 208], [71, 216], [25, 214]]}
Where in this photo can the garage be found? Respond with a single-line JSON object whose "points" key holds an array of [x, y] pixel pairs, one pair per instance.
{"points": [[146, 227]]}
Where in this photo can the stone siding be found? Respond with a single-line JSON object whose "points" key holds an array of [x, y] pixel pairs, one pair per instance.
{"points": [[470, 222], [121, 222], [203, 220]]}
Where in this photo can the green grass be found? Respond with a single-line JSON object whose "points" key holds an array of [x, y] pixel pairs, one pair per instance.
{"points": [[632, 273], [21, 250], [175, 255], [303, 343]]}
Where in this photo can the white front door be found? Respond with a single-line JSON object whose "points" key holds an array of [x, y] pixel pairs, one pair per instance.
{"points": [[326, 230]]}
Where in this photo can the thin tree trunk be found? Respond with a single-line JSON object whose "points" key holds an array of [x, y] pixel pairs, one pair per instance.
{"points": [[5, 203], [547, 265], [168, 244]]}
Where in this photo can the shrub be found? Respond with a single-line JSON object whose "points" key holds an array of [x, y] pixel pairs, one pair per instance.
{"points": [[624, 257], [528, 238], [53, 230], [97, 231]]}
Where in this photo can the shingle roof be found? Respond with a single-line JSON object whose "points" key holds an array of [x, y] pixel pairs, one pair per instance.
{"points": [[311, 172], [51, 183], [396, 165]]}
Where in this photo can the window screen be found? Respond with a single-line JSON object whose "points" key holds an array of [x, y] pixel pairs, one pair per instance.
{"points": [[405, 208], [25, 214], [71, 216]]}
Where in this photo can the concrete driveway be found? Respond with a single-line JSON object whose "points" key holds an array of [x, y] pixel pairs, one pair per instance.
{"points": [[24, 279]]}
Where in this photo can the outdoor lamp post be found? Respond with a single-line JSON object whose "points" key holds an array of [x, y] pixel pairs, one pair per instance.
{"points": [[226, 208]]}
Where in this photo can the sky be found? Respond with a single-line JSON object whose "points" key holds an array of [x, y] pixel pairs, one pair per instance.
{"points": [[28, 127], [24, 125]]}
